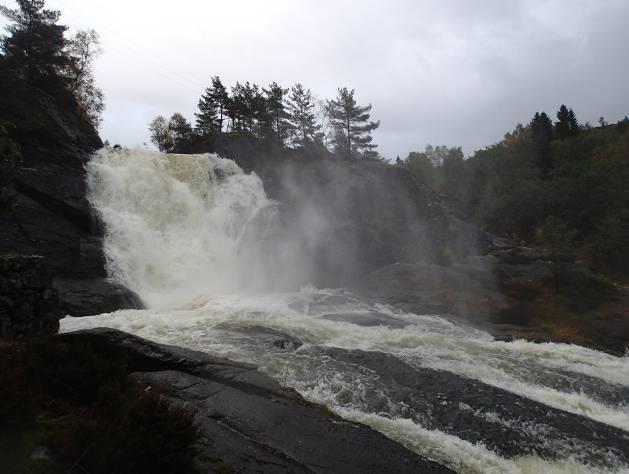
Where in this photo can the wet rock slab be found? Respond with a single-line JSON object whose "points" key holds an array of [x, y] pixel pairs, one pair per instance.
{"points": [[249, 420], [89, 296], [506, 423]]}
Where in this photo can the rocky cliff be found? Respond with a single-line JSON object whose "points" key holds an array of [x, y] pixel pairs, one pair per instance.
{"points": [[51, 217]]}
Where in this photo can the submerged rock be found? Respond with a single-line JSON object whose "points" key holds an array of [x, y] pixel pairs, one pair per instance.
{"points": [[367, 318], [265, 336]]}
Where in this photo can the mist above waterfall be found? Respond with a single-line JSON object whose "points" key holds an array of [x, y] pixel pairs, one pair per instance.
{"points": [[179, 227]]}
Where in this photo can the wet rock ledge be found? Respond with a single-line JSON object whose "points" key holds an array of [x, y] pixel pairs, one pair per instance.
{"points": [[248, 419]]}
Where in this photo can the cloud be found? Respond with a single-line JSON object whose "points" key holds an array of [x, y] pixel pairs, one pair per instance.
{"points": [[451, 72]]}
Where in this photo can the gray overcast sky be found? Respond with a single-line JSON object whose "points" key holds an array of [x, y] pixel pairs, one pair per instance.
{"points": [[455, 72]]}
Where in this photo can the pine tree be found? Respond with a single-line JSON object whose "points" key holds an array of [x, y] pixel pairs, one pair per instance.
{"points": [[562, 125], [541, 128], [275, 111], [234, 108], [263, 121], [220, 98], [207, 117], [541, 135], [352, 128], [573, 124], [304, 128], [34, 50], [245, 108]]}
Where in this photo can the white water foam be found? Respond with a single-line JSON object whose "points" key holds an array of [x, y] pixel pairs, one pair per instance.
{"points": [[174, 223], [200, 328]]}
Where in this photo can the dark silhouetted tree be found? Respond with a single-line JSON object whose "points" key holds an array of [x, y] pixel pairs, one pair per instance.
{"points": [[220, 98], [573, 124], [244, 107], [35, 46], [352, 127], [541, 136], [212, 108], [82, 49], [275, 109], [263, 122], [234, 108], [207, 117], [562, 128], [304, 128], [37, 51]]}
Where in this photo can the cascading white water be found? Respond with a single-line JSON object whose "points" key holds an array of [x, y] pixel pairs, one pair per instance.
{"points": [[179, 232], [175, 223]]}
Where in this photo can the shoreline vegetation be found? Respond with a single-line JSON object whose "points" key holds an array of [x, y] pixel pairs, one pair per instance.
{"points": [[64, 408]]}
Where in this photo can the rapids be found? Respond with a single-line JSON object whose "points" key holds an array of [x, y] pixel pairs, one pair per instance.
{"points": [[188, 233]]}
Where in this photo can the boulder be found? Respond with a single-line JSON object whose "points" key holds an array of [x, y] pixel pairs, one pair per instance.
{"points": [[89, 296]]}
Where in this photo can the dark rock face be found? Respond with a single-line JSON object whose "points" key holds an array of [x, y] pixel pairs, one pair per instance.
{"points": [[29, 305], [52, 217], [47, 126], [250, 421]]}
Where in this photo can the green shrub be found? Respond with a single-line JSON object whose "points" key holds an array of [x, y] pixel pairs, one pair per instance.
{"points": [[87, 413]]}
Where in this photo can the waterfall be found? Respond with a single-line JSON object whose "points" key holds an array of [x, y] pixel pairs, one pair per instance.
{"points": [[176, 224]]}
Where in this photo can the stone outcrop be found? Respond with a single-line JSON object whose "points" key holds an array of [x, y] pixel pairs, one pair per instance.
{"points": [[248, 420], [51, 217], [29, 305]]}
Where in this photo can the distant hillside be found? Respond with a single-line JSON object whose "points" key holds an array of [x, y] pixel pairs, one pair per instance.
{"points": [[569, 195]]}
